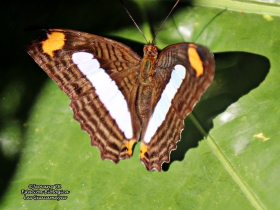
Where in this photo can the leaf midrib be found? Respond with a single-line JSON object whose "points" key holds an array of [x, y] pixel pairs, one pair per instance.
{"points": [[251, 196]]}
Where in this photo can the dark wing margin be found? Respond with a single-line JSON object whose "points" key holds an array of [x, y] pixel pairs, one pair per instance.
{"points": [[200, 68], [53, 54]]}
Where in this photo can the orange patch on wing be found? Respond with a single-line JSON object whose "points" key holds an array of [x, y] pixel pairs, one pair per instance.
{"points": [[129, 146], [55, 41], [195, 60], [143, 150]]}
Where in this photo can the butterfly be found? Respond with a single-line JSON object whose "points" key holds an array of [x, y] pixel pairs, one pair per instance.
{"points": [[117, 96]]}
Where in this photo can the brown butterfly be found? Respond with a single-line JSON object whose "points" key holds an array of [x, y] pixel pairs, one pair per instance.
{"points": [[116, 95]]}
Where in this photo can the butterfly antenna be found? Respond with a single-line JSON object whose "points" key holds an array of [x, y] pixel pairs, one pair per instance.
{"points": [[165, 19], [133, 20]]}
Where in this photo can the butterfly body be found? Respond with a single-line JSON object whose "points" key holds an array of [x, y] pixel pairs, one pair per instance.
{"points": [[147, 92], [116, 95]]}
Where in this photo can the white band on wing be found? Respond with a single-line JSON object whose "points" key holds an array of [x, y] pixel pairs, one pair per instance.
{"points": [[106, 89], [163, 105]]}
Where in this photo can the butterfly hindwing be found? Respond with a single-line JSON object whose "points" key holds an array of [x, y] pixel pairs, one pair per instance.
{"points": [[100, 77], [191, 69]]}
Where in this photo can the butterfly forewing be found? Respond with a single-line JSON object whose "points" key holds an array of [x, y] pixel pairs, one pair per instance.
{"points": [[100, 77], [192, 70]]}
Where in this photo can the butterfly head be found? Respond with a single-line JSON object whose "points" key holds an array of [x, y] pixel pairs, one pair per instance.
{"points": [[150, 51]]}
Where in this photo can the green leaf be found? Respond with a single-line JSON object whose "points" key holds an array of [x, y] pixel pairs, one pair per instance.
{"points": [[228, 156]]}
